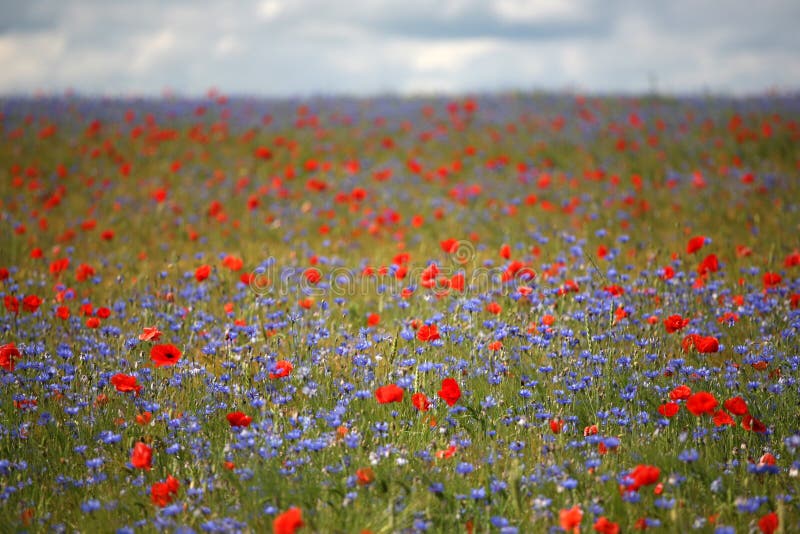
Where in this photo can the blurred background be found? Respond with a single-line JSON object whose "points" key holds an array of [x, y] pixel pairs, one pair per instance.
{"points": [[368, 47]]}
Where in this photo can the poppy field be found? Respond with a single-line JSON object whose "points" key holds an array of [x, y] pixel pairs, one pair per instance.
{"points": [[510, 313]]}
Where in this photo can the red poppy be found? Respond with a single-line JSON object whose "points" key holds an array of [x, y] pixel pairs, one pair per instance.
{"points": [[771, 280], [614, 290], [202, 272], [702, 344], [161, 493], [768, 523], [11, 303], [365, 476], [604, 526], [150, 334], [142, 456], [494, 308], [450, 391], [233, 263], [736, 406], [92, 322], [420, 402], [31, 303], [62, 312], [288, 522], [751, 424], [165, 355], [238, 419], [8, 354], [84, 272], [710, 264], [505, 251], [446, 453], [389, 393], [428, 332], [556, 425], [144, 418], [125, 383], [680, 393], [695, 244], [674, 323], [721, 417], [642, 475], [373, 319], [449, 245], [570, 519], [701, 403], [283, 369], [669, 409]]}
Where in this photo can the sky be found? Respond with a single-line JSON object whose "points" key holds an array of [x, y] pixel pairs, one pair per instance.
{"points": [[407, 47]]}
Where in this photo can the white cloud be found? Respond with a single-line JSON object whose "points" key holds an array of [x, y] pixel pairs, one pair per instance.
{"points": [[269, 9], [27, 58], [152, 49], [276, 47], [537, 10]]}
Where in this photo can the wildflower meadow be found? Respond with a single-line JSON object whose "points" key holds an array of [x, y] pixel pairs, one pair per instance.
{"points": [[508, 313]]}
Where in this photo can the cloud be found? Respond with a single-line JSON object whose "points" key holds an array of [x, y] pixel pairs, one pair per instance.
{"points": [[276, 47]]}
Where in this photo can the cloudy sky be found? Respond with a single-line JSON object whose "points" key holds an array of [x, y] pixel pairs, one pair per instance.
{"points": [[362, 47]]}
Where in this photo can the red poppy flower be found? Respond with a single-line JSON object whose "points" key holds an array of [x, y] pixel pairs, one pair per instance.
{"points": [[62, 312], [288, 522], [125, 383], [420, 402], [505, 251], [428, 332], [202, 272], [556, 425], [701, 403], [450, 391], [674, 323], [389, 393], [721, 417], [144, 418], [751, 424], [312, 275], [768, 523], [604, 526], [771, 280], [8, 355], [150, 334], [365, 476], [570, 519], [707, 345], [282, 369], [449, 245], [669, 409], [238, 419], [614, 290], [165, 355], [373, 319], [92, 322], [161, 493], [710, 264], [141, 456], [31, 303], [494, 308], [695, 244], [446, 453], [736, 406], [642, 475], [11, 303], [680, 393]]}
